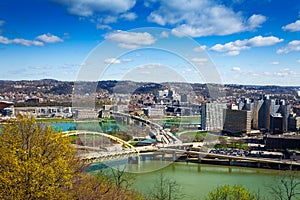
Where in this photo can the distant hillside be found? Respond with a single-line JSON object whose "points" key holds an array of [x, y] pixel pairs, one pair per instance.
{"points": [[55, 87]]}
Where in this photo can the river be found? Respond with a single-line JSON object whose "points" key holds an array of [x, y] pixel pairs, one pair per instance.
{"points": [[196, 180]]}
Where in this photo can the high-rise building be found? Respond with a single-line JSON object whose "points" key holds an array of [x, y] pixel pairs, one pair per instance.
{"points": [[276, 123], [284, 110], [264, 114], [256, 107], [237, 121], [293, 123], [212, 116]]}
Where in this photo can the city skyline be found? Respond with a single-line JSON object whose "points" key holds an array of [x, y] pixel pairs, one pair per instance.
{"points": [[249, 42]]}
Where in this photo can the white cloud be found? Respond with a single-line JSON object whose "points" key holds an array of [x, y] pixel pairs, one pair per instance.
{"points": [[203, 18], [2, 22], [200, 49], [290, 47], [293, 27], [299, 61], [20, 41], [235, 47], [112, 61], [108, 19], [49, 38], [87, 8], [232, 53], [4, 40], [275, 63], [164, 34], [260, 41], [37, 43], [129, 16], [199, 61], [130, 40], [255, 21], [236, 69], [103, 26]]}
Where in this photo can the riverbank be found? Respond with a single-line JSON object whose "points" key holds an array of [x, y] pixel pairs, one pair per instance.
{"points": [[243, 163]]}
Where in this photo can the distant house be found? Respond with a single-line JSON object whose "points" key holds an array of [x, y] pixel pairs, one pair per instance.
{"points": [[104, 114], [86, 114]]}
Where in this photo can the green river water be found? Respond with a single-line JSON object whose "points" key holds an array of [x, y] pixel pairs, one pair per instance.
{"points": [[196, 180]]}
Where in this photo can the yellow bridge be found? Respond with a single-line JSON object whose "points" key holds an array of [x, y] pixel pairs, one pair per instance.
{"points": [[85, 132]]}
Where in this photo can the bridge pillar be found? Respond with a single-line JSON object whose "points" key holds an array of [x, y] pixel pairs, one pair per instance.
{"points": [[199, 168], [143, 158], [199, 158], [129, 160], [258, 164], [138, 159], [163, 156], [230, 162], [127, 121], [174, 156]]}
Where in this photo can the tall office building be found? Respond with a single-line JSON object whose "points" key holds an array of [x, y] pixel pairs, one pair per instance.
{"points": [[256, 107], [212, 116], [276, 124], [264, 114], [293, 122], [237, 121], [284, 110]]}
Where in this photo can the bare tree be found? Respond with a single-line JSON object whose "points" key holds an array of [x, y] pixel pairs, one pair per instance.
{"points": [[165, 189], [288, 187]]}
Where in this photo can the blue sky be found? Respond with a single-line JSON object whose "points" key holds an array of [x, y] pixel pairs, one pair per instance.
{"points": [[248, 42]]}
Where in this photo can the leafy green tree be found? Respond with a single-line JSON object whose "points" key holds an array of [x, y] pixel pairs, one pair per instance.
{"points": [[227, 192], [35, 162]]}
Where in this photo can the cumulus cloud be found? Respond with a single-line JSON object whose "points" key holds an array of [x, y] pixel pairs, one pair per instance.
{"points": [[129, 16], [232, 53], [234, 48], [112, 61], [200, 49], [38, 41], [164, 34], [290, 47], [49, 38], [255, 21], [100, 12], [103, 26], [20, 41], [293, 27], [203, 18], [199, 61], [236, 69], [130, 40], [87, 8]]}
